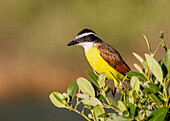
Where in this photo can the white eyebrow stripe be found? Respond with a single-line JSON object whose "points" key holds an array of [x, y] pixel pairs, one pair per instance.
{"points": [[85, 34]]}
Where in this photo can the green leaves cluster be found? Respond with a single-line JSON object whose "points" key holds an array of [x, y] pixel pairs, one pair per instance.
{"points": [[90, 94], [146, 98]]}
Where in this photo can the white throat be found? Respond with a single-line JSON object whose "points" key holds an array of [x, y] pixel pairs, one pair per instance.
{"points": [[87, 45]]}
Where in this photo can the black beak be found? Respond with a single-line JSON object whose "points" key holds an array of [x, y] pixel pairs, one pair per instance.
{"points": [[72, 43]]}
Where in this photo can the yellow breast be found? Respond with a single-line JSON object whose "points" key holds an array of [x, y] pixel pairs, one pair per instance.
{"points": [[100, 65]]}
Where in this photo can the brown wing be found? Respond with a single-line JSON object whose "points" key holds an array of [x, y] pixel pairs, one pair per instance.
{"points": [[113, 58]]}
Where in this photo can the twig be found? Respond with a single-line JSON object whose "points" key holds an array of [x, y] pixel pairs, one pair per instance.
{"points": [[75, 110]]}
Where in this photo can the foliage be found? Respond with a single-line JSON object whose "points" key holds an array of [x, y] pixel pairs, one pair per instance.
{"points": [[146, 98]]}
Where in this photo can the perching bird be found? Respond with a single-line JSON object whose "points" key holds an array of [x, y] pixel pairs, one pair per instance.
{"points": [[101, 56]]}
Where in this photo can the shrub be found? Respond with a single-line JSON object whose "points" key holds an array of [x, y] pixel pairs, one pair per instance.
{"points": [[147, 97]]}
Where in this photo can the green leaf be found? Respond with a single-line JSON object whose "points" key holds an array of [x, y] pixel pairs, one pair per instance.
{"points": [[168, 88], [134, 96], [147, 42], [126, 98], [101, 80], [57, 99], [138, 67], [126, 113], [150, 93], [155, 99], [114, 117], [83, 96], [146, 66], [93, 76], [147, 91], [132, 110], [138, 57], [122, 107], [134, 83], [99, 111], [100, 97], [153, 87], [158, 114], [71, 90], [141, 115], [113, 101], [155, 67], [164, 70], [160, 96], [88, 100], [85, 86], [92, 101], [140, 76], [131, 100], [148, 112], [66, 97], [96, 90], [167, 60]]}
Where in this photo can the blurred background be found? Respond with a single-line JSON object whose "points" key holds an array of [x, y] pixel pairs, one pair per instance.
{"points": [[35, 59]]}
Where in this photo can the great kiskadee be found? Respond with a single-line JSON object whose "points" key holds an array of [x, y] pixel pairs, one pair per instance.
{"points": [[101, 56]]}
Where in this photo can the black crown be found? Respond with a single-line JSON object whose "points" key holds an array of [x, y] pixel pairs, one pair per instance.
{"points": [[85, 31]]}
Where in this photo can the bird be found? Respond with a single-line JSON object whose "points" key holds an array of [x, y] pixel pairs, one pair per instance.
{"points": [[101, 56]]}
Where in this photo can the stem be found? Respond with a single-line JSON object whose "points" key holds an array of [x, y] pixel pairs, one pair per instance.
{"points": [[124, 85], [104, 95], [81, 114], [158, 47], [164, 46], [165, 92], [78, 102], [140, 105], [109, 106], [94, 119], [149, 72], [124, 78], [146, 77], [75, 110], [83, 110], [161, 94], [125, 88], [147, 42]]}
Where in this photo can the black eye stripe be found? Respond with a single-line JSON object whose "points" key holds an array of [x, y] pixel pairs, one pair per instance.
{"points": [[88, 38]]}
